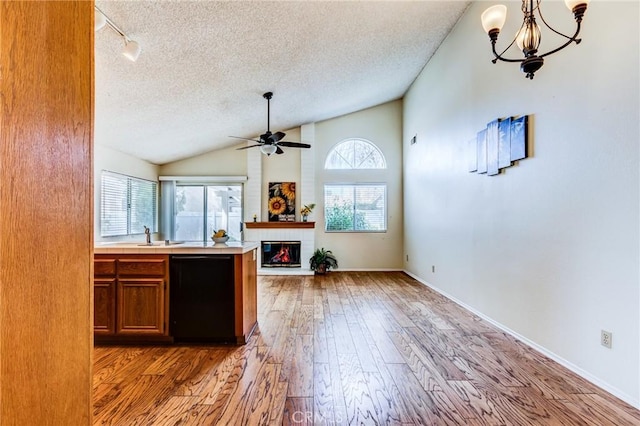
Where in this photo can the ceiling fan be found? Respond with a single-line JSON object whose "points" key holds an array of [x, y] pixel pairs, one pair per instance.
{"points": [[270, 143]]}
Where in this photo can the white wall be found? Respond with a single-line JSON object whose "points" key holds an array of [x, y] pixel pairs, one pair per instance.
{"points": [[115, 161], [381, 125], [221, 162], [550, 248]]}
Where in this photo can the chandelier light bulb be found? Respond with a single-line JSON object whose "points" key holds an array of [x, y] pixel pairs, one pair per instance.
{"points": [[530, 37]]}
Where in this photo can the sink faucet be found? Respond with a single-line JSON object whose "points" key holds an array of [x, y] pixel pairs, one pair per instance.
{"points": [[147, 232]]}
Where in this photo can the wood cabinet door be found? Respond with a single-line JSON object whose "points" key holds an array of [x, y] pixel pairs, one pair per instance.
{"points": [[141, 306], [104, 305]]}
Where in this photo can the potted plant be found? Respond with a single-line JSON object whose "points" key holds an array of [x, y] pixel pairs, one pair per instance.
{"points": [[322, 261], [306, 211]]}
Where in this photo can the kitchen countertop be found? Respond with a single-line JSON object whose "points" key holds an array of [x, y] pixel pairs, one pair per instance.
{"points": [[159, 247]]}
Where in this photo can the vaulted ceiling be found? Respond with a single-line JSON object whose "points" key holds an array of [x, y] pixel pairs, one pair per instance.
{"points": [[204, 66]]}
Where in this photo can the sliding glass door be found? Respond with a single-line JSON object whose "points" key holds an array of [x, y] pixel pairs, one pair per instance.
{"points": [[200, 210]]}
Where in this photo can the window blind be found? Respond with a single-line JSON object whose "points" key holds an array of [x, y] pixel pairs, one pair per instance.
{"points": [[128, 204]]}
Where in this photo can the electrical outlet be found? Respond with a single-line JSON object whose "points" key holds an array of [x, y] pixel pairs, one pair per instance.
{"points": [[433, 269], [606, 338]]}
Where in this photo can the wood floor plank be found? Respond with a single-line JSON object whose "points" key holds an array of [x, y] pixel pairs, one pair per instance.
{"points": [[129, 400], [417, 401], [339, 412], [204, 374], [484, 409], [360, 334], [323, 405], [320, 348], [341, 335], [385, 400], [361, 408], [170, 412], [253, 399], [298, 411], [242, 362], [350, 348], [301, 373]]}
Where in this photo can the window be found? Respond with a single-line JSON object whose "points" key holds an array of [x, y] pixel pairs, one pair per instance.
{"points": [[355, 154], [355, 207], [202, 209], [128, 204]]}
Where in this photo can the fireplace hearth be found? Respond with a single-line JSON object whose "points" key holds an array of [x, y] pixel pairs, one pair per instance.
{"points": [[281, 254]]}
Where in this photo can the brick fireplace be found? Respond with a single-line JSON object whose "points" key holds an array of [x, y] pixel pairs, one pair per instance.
{"points": [[302, 233]]}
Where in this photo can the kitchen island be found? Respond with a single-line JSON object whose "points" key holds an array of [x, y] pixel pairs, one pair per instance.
{"points": [[180, 292]]}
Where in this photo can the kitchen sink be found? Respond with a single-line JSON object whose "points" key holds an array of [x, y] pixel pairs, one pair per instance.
{"points": [[160, 243]]}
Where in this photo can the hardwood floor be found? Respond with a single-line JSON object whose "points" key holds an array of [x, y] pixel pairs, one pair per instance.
{"points": [[350, 349]]}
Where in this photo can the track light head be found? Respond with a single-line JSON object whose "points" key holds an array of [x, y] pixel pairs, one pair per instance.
{"points": [[100, 20], [131, 50]]}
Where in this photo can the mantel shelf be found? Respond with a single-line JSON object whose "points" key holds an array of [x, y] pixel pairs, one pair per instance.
{"points": [[279, 225]]}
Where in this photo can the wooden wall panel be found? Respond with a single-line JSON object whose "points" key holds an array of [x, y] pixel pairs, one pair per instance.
{"points": [[46, 217]]}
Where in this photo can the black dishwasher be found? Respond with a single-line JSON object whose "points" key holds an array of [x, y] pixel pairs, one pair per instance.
{"points": [[201, 302]]}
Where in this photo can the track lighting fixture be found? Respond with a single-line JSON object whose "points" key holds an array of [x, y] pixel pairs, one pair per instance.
{"points": [[528, 37], [131, 48]]}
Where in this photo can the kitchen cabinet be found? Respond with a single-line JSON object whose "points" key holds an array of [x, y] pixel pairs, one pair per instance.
{"points": [[185, 292], [130, 297]]}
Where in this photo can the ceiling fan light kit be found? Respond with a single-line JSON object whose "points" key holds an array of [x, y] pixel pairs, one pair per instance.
{"points": [[529, 35], [271, 143]]}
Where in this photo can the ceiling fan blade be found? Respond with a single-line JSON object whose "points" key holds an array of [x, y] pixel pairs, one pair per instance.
{"points": [[250, 146], [244, 139], [276, 136], [294, 144], [279, 151]]}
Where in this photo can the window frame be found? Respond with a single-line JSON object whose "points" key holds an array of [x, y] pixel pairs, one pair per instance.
{"points": [[354, 185], [205, 185], [333, 151], [127, 180]]}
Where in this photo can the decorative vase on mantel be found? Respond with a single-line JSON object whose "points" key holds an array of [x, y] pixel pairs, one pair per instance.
{"points": [[304, 217]]}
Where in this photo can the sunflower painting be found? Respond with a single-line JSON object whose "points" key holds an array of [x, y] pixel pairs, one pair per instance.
{"points": [[282, 201]]}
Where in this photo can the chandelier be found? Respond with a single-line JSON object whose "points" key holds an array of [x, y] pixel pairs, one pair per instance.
{"points": [[528, 36]]}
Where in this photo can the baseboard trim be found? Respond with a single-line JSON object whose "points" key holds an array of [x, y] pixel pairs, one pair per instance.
{"points": [[567, 364], [368, 270]]}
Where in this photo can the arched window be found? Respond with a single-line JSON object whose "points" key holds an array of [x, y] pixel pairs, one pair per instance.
{"points": [[355, 154], [356, 206]]}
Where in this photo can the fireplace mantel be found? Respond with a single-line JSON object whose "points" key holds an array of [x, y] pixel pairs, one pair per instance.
{"points": [[279, 225]]}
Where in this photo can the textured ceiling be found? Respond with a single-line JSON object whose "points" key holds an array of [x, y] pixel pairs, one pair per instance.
{"points": [[204, 66]]}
